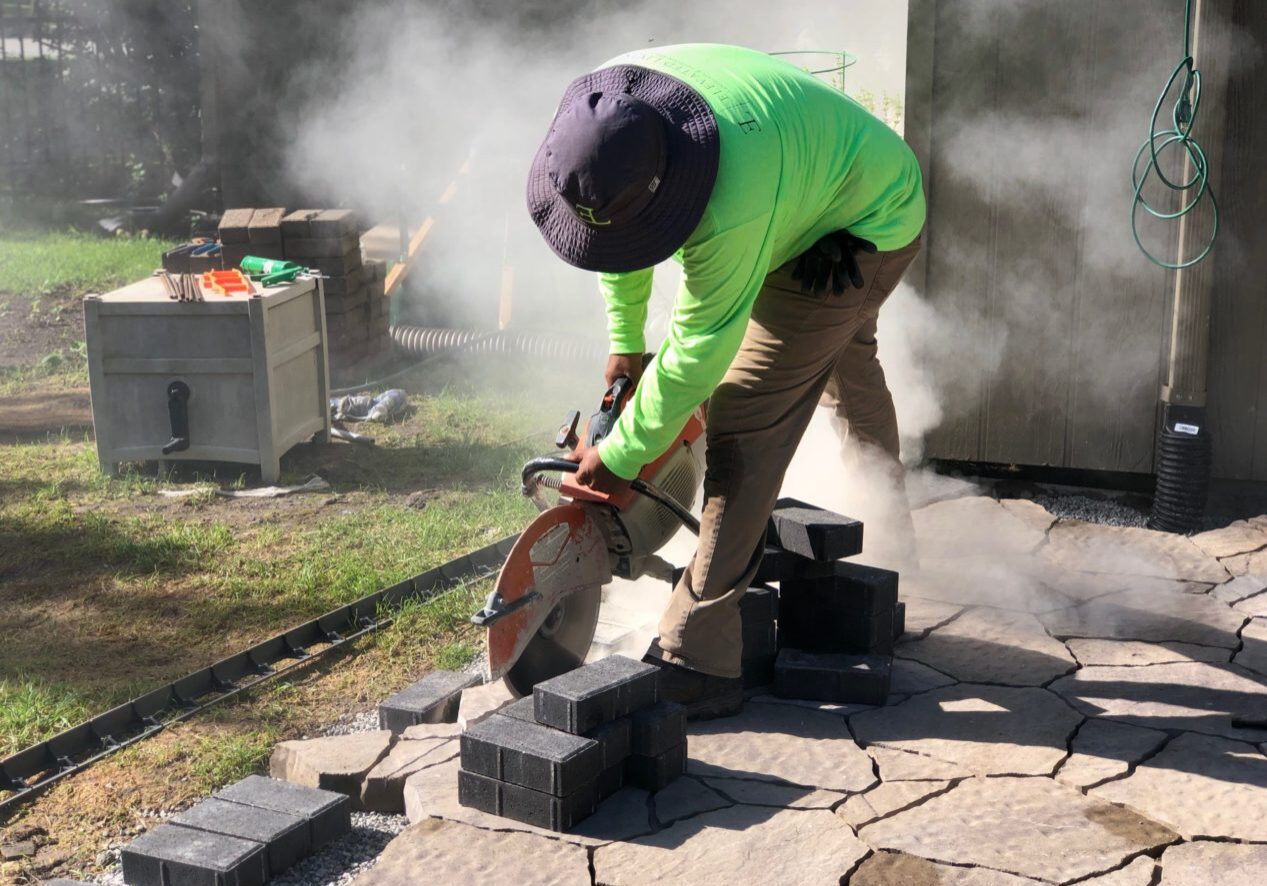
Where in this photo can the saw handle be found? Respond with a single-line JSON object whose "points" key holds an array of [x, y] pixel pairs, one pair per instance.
{"points": [[602, 423], [554, 463]]}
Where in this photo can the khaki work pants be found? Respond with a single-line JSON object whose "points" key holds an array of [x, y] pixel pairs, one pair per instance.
{"points": [[796, 346]]}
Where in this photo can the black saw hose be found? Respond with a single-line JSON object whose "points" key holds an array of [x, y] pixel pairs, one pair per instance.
{"points": [[642, 487]]}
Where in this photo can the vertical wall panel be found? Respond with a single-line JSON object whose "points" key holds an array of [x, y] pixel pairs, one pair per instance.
{"points": [[1026, 117]]}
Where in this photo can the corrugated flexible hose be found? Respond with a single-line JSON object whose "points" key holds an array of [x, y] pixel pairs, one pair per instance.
{"points": [[426, 340]]}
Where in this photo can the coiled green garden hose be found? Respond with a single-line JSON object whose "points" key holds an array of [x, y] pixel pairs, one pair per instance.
{"points": [[1183, 118]]}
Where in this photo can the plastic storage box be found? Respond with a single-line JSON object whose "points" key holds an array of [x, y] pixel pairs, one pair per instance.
{"points": [[234, 378]]}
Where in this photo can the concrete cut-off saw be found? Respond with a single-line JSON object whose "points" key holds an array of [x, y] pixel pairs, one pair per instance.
{"points": [[542, 614]]}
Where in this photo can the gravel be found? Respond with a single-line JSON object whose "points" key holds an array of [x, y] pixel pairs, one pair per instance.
{"points": [[1092, 510], [352, 724], [343, 860]]}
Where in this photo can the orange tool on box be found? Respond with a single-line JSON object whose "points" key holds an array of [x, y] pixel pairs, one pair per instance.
{"points": [[227, 282]]}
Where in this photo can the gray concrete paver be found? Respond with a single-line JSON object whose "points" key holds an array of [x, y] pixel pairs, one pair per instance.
{"points": [[986, 730], [1201, 786], [433, 793], [1031, 827]]}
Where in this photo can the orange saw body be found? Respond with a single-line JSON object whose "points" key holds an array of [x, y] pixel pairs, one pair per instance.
{"points": [[542, 614]]}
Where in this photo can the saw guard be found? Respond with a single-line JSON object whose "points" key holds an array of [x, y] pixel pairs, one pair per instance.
{"points": [[562, 552]]}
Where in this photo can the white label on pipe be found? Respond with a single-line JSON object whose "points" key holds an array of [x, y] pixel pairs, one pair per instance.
{"points": [[1181, 428]]}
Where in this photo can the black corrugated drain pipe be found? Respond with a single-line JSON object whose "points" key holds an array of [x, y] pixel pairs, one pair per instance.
{"points": [[1184, 454]]}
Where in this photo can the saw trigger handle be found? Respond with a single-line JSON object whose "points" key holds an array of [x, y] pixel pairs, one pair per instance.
{"points": [[602, 422], [567, 437]]}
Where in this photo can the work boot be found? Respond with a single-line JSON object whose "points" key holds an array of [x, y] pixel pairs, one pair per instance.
{"points": [[703, 695]]}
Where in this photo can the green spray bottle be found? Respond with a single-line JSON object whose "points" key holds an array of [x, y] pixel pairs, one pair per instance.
{"points": [[270, 271]]}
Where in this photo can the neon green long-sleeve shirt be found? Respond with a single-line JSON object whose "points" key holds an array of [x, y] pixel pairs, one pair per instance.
{"points": [[798, 160]]}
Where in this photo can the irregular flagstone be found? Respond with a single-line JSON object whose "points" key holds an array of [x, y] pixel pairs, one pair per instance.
{"points": [[909, 677], [685, 797], [898, 765], [1001, 580], [771, 793], [1147, 615], [1253, 654], [1192, 696], [1246, 564], [1031, 513], [987, 730], [993, 646], [481, 702], [971, 525], [384, 787], [1201, 786], [1091, 651], [885, 799], [423, 731], [1254, 607], [1031, 827], [1104, 749], [900, 869], [1203, 864], [1138, 873], [1129, 550], [781, 743], [828, 707], [923, 615], [742, 844], [334, 763], [440, 851], [433, 793], [1241, 537], [1239, 588]]}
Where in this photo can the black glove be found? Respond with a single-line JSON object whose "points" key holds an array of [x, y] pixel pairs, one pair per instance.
{"points": [[829, 261]]}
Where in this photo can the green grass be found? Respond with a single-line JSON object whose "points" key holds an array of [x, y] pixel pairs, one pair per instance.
{"points": [[35, 263], [148, 588], [31, 709]]}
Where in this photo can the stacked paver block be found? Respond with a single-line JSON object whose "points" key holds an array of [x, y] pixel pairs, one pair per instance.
{"points": [[327, 241], [837, 621], [657, 746], [242, 836], [549, 760], [758, 612], [433, 699]]}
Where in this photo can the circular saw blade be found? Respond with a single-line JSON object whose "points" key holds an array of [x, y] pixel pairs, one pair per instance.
{"points": [[560, 555], [560, 644]]}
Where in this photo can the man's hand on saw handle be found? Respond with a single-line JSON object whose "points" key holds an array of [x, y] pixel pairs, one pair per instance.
{"points": [[624, 364], [594, 474]]}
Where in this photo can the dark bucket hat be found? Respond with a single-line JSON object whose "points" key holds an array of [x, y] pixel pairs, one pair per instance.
{"points": [[626, 170]]}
